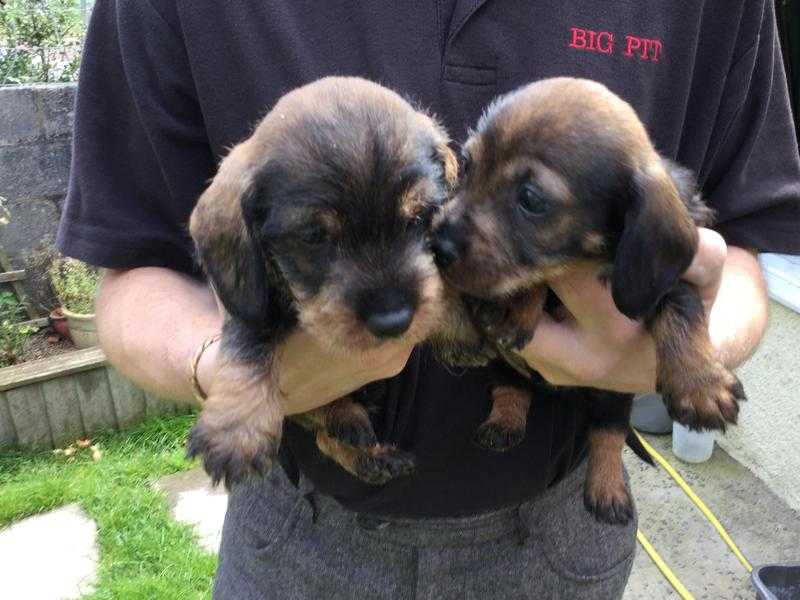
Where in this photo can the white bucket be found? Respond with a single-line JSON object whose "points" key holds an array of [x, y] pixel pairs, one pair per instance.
{"points": [[692, 446]]}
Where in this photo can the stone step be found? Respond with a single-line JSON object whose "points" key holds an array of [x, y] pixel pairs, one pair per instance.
{"points": [[52, 556], [194, 501]]}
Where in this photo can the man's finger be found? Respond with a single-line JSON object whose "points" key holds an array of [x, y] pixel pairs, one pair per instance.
{"points": [[705, 272], [554, 343], [587, 298]]}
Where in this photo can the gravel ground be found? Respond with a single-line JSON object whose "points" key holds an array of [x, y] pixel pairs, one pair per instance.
{"points": [[44, 343]]}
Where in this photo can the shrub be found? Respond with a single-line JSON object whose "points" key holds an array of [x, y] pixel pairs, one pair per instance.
{"points": [[40, 40], [75, 284], [12, 334]]}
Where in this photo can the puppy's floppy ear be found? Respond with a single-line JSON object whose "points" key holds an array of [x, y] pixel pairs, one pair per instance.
{"points": [[231, 257], [657, 244], [441, 152], [686, 182], [447, 158]]}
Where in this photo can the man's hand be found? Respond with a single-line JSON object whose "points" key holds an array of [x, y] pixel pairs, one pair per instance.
{"points": [[311, 375], [599, 347], [152, 320]]}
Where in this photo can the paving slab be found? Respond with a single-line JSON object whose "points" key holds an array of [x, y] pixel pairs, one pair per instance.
{"points": [[194, 501], [764, 527], [52, 556]]}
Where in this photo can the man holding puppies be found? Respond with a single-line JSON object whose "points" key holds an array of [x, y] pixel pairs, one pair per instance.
{"points": [[166, 87]]}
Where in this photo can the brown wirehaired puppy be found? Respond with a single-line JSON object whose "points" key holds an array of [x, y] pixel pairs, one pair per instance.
{"points": [[320, 220], [560, 173]]}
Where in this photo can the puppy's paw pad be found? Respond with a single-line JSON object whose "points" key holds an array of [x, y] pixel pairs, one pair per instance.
{"points": [[381, 464], [353, 433], [497, 437], [228, 461], [712, 405], [609, 503]]}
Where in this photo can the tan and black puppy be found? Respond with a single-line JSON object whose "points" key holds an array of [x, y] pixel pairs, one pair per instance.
{"points": [[560, 173], [321, 220]]}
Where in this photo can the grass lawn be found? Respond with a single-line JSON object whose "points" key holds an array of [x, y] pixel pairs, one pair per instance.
{"points": [[144, 553]]}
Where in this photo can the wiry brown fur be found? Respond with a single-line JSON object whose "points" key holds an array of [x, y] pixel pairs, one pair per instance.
{"points": [[505, 426], [562, 173], [605, 492], [320, 220]]}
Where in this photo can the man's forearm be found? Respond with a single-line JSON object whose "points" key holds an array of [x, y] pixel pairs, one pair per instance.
{"points": [[739, 316], [150, 322], [598, 347]]}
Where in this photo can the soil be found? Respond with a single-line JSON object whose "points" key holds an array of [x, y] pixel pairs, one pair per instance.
{"points": [[43, 344]]}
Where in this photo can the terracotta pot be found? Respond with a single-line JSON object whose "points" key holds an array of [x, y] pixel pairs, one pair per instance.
{"points": [[82, 329], [59, 323]]}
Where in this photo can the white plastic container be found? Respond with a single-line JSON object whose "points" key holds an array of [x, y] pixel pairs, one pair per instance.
{"points": [[650, 415], [692, 446]]}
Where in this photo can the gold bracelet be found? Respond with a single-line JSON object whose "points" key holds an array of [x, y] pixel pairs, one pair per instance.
{"points": [[198, 392]]}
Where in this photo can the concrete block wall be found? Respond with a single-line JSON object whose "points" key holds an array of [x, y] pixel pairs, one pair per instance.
{"points": [[35, 138]]}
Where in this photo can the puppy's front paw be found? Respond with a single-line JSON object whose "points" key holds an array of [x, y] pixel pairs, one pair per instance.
{"points": [[233, 452], [500, 324], [608, 500], [511, 339], [498, 436], [708, 399], [349, 423], [353, 433], [382, 463]]}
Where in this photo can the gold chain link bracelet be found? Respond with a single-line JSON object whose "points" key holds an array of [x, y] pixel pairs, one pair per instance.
{"points": [[198, 392]]}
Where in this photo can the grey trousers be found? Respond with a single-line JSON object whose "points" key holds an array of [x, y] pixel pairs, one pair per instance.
{"points": [[281, 542]]}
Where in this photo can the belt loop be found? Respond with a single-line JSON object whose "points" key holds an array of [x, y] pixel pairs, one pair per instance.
{"points": [[306, 489], [311, 498], [523, 529], [289, 465]]}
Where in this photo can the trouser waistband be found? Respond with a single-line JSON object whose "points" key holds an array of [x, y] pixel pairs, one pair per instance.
{"points": [[511, 521]]}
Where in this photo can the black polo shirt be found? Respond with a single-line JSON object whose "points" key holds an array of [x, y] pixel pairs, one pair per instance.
{"points": [[167, 85]]}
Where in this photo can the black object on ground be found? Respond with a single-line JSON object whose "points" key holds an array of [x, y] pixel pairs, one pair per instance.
{"points": [[777, 581]]}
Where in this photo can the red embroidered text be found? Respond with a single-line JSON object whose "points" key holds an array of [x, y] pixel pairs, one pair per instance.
{"points": [[647, 49]]}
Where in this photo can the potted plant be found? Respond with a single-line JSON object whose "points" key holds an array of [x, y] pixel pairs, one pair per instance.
{"points": [[75, 284]]}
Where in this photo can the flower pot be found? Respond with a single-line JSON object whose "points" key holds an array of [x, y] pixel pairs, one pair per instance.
{"points": [[59, 323], [82, 329]]}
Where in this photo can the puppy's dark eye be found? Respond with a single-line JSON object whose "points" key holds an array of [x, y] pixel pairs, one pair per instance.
{"points": [[424, 217], [532, 201], [466, 166], [313, 235]]}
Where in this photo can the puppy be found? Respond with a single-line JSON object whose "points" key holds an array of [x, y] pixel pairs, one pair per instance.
{"points": [[561, 173], [321, 220]]}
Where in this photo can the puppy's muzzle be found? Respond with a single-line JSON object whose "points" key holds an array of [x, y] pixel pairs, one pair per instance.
{"points": [[448, 245], [386, 314]]}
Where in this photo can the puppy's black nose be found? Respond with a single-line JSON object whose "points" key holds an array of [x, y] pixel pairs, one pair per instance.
{"points": [[447, 247], [390, 323], [445, 251]]}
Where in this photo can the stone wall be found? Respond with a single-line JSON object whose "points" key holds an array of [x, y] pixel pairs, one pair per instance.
{"points": [[35, 138]]}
